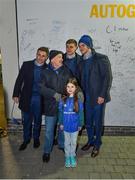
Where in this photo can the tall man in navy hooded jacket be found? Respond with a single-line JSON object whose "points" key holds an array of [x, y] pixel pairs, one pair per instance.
{"points": [[26, 93], [54, 79], [95, 78]]}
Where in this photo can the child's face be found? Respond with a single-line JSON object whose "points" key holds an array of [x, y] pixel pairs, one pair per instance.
{"points": [[71, 48], [71, 88]]}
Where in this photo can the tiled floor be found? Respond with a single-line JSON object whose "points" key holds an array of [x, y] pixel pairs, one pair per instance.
{"points": [[115, 161]]}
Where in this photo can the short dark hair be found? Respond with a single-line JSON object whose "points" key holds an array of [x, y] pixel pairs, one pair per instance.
{"points": [[45, 49], [69, 41]]}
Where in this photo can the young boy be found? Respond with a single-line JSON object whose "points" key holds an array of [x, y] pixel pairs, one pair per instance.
{"points": [[71, 58]]}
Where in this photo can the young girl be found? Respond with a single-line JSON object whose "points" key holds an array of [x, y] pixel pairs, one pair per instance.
{"points": [[71, 120]]}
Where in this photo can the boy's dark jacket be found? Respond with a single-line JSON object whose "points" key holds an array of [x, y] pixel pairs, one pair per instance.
{"points": [[77, 56]]}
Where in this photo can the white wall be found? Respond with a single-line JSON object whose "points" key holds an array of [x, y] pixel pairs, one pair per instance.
{"points": [[52, 22], [8, 45], [42, 24]]}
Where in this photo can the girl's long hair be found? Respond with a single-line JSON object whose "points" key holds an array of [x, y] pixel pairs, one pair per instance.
{"points": [[64, 97]]}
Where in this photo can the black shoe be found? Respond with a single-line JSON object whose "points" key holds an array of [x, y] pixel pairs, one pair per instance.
{"points": [[55, 142], [46, 157], [86, 147], [23, 146], [95, 152], [36, 144]]}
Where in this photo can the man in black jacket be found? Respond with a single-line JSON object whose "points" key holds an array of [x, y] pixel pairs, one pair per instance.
{"points": [[26, 93], [95, 78], [54, 79]]}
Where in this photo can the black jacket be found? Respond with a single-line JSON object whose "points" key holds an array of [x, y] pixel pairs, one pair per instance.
{"points": [[23, 85], [100, 77], [78, 59], [52, 83]]}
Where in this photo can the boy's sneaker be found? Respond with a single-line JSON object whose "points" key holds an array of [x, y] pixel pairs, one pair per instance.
{"points": [[67, 162], [73, 161]]}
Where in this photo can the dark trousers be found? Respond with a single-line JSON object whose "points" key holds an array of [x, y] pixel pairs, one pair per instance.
{"points": [[34, 115], [94, 123]]}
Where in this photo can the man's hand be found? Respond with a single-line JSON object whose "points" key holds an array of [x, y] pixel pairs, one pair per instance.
{"points": [[57, 96], [80, 96], [100, 100], [16, 100]]}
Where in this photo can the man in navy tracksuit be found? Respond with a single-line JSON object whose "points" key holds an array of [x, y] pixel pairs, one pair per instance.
{"points": [[26, 93], [95, 77]]}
